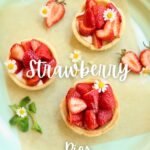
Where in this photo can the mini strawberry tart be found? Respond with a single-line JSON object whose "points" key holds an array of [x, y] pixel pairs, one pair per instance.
{"points": [[18, 63], [99, 25], [90, 108]]}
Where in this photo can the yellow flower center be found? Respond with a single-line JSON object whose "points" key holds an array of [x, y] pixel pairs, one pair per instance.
{"points": [[10, 66], [101, 85], [76, 56], [44, 11], [146, 71], [22, 111], [110, 15]]}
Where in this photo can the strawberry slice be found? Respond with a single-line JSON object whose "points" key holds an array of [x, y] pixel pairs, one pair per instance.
{"points": [[45, 79], [28, 56], [90, 120], [96, 42], [56, 13], [76, 105], [107, 99], [84, 88], [72, 93], [26, 45], [90, 4], [17, 52], [33, 81], [107, 33], [80, 17], [145, 58], [89, 18], [98, 11], [76, 119], [104, 116], [116, 27], [91, 98], [131, 59], [35, 44]]}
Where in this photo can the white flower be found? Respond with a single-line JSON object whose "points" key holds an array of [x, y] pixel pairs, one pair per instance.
{"points": [[109, 14], [11, 66], [145, 71], [21, 112], [44, 11], [101, 85], [75, 56]]}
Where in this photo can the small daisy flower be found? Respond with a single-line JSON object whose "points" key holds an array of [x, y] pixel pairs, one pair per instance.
{"points": [[75, 56], [21, 112], [145, 71], [109, 14], [101, 85], [44, 11], [11, 66]]}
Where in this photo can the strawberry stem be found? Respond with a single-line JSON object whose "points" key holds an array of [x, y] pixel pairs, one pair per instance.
{"points": [[147, 46], [123, 51], [61, 2]]}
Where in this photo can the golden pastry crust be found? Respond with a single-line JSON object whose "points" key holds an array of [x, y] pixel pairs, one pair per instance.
{"points": [[90, 133], [34, 88], [91, 46]]}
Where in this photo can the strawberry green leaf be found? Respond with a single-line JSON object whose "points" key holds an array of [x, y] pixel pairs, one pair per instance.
{"points": [[24, 101], [13, 107], [23, 124], [32, 107], [14, 120], [36, 127]]}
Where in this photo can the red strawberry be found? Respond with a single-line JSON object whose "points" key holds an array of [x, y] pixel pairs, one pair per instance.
{"points": [[72, 93], [76, 119], [17, 52], [116, 27], [28, 56], [104, 116], [96, 42], [33, 81], [24, 75], [98, 11], [107, 33], [131, 59], [80, 17], [90, 120], [89, 18], [107, 99], [26, 45], [49, 1], [91, 99], [84, 88], [44, 53], [145, 58], [56, 13], [35, 44], [45, 79], [90, 4], [76, 105]]}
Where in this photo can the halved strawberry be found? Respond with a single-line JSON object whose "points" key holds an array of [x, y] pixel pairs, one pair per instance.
{"points": [[17, 52], [76, 119], [56, 13], [96, 42], [33, 81], [84, 88], [26, 45], [90, 4], [131, 59], [76, 105], [145, 58], [90, 120], [91, 98], [80, 17], [116, 27], [98, 11], [107, 99], [35, 44], [107, 33], [72, 93], [104, 116]]}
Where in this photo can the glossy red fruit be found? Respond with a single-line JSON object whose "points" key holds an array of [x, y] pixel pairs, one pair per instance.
{"points": [[145, 58], [98, 11], [26, 45], [17, 52], [84, 88], [45, 79], [116, 27], [90, 4], [96, 41], [90, 120], [76, 105], [131, 59], [107, 33], [107, 99], [104, 116], [19, 66], [76, 119], [91, 98], [56, 13], [35, 44], [33, 81]]}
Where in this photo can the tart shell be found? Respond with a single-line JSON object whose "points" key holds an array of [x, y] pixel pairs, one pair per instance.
{"points": [[89, 45], [89, 133], [34, 88]]}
